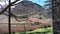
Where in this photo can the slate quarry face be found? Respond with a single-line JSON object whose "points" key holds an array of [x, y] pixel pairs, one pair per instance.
{"points": [[26, 8]]}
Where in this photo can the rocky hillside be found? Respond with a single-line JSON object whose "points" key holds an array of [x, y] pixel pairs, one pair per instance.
{"points": [[21, 9]]}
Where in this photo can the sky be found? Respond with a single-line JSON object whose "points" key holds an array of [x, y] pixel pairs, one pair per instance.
{"points": [[40, 2]]}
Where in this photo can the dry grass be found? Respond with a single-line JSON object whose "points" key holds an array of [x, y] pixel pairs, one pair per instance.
{"points": [[30, 24]]}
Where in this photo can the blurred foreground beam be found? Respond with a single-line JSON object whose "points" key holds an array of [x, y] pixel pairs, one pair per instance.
{"points": [[4, 10], [56, 16]]}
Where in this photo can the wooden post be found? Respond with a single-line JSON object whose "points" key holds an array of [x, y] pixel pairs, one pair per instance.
{"points": [[56, 17], [9, 24]]}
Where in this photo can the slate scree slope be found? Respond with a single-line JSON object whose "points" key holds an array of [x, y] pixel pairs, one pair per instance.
{"points": [[24, 9]]}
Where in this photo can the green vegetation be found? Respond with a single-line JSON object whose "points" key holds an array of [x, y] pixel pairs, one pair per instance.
{"points": [[48, 30]]}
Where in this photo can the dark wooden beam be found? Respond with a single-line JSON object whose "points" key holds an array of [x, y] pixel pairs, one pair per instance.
{"points": [[9, 24], [56, 16]]}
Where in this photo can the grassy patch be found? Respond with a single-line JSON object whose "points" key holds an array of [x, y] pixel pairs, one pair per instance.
{"points": [[48, 30]]}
